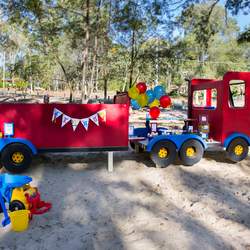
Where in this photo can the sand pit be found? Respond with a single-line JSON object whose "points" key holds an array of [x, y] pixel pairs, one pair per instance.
{"points": [[206, 206]]}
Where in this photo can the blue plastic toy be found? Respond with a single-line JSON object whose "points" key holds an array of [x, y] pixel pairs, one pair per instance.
{"points": [[7, 184], [159, 91], [135, 105]]}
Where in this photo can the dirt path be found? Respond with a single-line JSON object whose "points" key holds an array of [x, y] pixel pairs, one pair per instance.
{"points": [[206, 206]]}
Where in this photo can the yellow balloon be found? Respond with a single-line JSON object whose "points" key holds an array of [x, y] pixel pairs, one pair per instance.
{"points": [[154, 103], [142, 100], [133, 92]]}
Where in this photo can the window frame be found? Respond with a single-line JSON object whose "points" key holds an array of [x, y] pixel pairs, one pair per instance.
{"points": [[204, 107], [240, 81]]}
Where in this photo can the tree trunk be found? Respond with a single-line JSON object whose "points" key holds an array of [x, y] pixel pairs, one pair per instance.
{"points": [[105, 88], [70, 94], [132, 54], [97, 77], [92, 84], [85, 55]]}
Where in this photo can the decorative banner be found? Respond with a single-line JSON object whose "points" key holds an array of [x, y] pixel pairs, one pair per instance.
{"points": [[94, 118], [85, 123], [65, 119], [56, 114], [75, 123], [102, 114]]}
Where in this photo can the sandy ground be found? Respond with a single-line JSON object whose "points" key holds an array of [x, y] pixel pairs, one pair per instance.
{"points": [[206, 206]]}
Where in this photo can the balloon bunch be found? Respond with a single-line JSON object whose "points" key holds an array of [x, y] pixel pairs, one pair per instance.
{"points": [[141, 97]]}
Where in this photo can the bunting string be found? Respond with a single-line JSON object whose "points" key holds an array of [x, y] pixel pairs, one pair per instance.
{"points": [[75, 121]]}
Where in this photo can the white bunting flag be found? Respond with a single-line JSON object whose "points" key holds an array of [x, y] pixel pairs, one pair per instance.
{"points": [[75, 123], [102, 114], [85, 123], [65, 119], [94, 118], [56, 114]]}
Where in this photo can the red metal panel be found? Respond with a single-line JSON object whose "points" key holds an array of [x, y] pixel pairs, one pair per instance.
{"points": [[34, 122], [208, 98], [236, 119], [214, 115]]}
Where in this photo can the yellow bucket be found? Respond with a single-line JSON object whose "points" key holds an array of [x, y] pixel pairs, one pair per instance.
{"points": [[19, 220]]}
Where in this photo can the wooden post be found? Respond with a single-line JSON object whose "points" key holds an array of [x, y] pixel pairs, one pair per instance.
{"points": [[110, 161]]}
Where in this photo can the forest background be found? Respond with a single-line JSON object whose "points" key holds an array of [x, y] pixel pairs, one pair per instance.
{"points": [[87, 46]]}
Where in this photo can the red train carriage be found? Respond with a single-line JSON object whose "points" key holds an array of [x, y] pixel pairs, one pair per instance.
{"points": [[31, 128]]}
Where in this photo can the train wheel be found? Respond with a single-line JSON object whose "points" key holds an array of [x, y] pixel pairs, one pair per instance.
{"points": [[191, 152], [237, 150], [16, 157], [16, 205], [163, 153]]}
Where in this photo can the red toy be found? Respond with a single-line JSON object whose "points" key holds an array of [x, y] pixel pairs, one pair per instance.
{"points": [[142, 87], [37, 206], [154, 112], [165, 101]]}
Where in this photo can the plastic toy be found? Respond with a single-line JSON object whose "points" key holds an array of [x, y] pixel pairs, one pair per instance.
{"points": [[159, 91], [142, 87], [150, 94], [7, 184], [24, 201], [218, 119], [141, 97], [135, 104], [165, 101], [142, 100], [154, 112], [27, 197]]}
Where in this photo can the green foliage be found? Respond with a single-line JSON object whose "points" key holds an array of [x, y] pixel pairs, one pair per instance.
{"points": [[21, 85], [45, 42], [244, 36]]}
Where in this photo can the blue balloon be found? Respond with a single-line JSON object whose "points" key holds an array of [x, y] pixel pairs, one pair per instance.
{"points": [[159, 91], [150, 95], [135, 104]]}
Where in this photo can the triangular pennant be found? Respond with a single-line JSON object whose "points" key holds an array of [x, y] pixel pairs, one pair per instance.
{"points": [[102, 114], [56, 114], [75, 123], [65, 119], [94, 118], [85, 123]]}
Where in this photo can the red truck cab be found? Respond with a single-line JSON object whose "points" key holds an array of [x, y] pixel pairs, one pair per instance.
{"points": [[225, 106]]}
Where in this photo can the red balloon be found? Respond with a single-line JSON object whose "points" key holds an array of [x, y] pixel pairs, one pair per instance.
{"points": [[165, 101], [154, 112], [142, 87]]}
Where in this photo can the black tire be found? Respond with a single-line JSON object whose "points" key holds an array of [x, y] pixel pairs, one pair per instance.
{"points": [[16, 205], [190, 158], [232, 150], [7, 157], [168, 148]]}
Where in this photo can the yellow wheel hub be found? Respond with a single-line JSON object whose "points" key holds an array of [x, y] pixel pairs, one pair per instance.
{"points": [[163, 153], [190, 152], [238, 150], [17, 157]]}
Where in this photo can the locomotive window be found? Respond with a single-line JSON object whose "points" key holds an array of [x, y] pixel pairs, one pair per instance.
{"points": [[237, 91], [205, 98]]}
